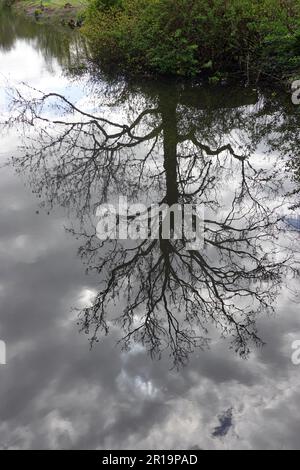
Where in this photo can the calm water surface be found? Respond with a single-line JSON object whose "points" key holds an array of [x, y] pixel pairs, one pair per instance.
{"points": [[235, 151]]}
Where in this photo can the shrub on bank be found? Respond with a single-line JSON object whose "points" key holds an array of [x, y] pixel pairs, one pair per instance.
{"points": [[187, 37]]}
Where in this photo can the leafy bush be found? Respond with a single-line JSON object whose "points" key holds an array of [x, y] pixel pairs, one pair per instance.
{"points": [[37, 13], [186, 37]]}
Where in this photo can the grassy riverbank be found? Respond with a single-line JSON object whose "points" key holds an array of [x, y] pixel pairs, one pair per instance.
{"points": [[257, 38], [51, 11]]}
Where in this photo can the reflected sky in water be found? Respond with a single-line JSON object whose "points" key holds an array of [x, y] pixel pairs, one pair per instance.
{"points": [[55, 391]]}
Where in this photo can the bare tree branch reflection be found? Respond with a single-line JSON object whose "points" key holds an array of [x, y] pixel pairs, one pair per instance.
{"points": [[169, 151]]}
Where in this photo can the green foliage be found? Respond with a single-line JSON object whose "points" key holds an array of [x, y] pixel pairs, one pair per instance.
{"points": [[105, 5], [186, 37], [37, 13]]}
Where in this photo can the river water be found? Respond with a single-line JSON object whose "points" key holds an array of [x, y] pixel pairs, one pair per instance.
{"points": [[143, 343]]}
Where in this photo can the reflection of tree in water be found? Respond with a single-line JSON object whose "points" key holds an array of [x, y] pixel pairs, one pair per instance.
{"points": [[284, 138], [66, 46], [169, 148]]}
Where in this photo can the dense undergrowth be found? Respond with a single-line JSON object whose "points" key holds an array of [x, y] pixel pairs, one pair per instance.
{"points": [[258, 38]]}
